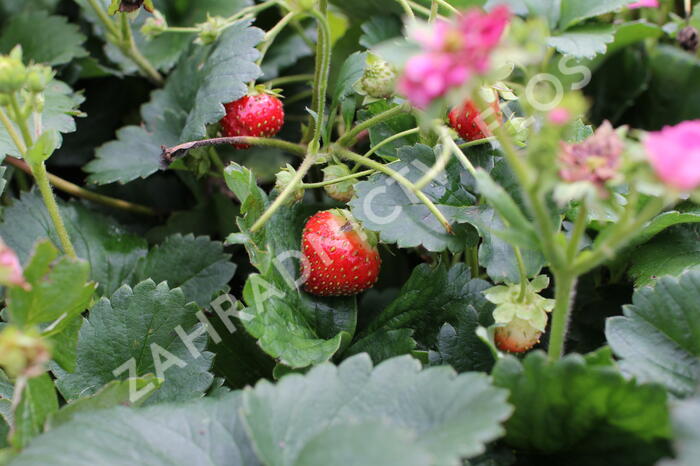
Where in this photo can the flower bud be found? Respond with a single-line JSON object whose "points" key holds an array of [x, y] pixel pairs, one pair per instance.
{"points": [[155, 25], [10, 269], [13, 73], [23, 353], [379, 79], [38, 77], [284, 178], [210, 31], [342, 191]]}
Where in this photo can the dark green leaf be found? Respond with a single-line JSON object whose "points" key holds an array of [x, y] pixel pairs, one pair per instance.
{"points": [[207, 431], [112, 252], [38, 402], [384, 206], [197, 265], [582, 411], [378, 29], [363, 444], [116, 393], [460, 347], [432, 296], [575, 11], [384, 344], [44, 39], [137, 328], [450, 416], [658, 339], [583, 41], [668, 254], [193, 97]]}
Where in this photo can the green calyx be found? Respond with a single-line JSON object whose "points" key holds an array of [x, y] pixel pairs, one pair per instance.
{"points": [[350, 223], [341, 191], [283, 179], [511, 303]]}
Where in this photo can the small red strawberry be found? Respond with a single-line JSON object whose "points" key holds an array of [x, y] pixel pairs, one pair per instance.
{"points": [[341, 258], [258, 115], [466, 119]]}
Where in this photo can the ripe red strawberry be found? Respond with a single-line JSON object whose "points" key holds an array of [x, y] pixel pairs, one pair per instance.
{"points": [[468, 122], [517, 336], [259, 115], [341, 257]]}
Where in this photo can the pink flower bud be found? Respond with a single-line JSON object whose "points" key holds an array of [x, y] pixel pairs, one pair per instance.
{"points": [[674, 153], [559, 116], [10, 268]]}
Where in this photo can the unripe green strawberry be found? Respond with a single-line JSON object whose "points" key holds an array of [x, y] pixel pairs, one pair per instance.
{"points": [[23, 353], [342, 191], [379, 79], [284, 178], [340, 257], [38, 77]]}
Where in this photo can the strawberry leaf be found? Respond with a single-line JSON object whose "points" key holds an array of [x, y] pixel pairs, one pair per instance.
{"points": [[430, 297], [44, 39], [670, 253], [384, 206], [39, 400], [193, 97], [658, 336], [207, 431], [685, 415], [196, 264], [449, 416], [138, 327], [575, 410]]}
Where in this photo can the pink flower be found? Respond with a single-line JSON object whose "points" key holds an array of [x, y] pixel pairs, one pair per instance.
{"points": [[595, 160], [644, 4], [429, 76], [674, 153], [452, 53], [559, 116], [10, 268]]}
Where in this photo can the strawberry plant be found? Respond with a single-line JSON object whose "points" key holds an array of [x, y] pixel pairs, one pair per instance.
{"points": [[301, 232]]}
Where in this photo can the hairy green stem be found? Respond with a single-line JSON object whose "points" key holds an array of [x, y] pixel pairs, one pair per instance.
{"points": [[296, 78], [20, 118], [369, 163], [564, 291], [352, 176], [463, 159], [433, 11], [77, 191], [476, 142], [16, 138], [129, 48], [323, 60], [578, 232], [522, 271], [320, 47], [349, 138], [386, 141], [42, 180]]}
